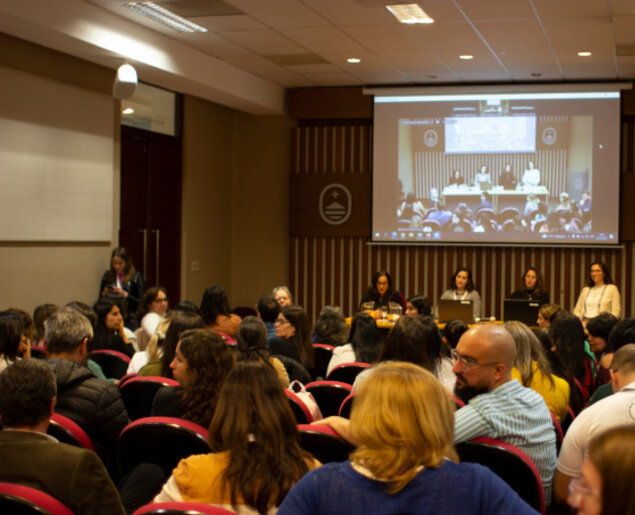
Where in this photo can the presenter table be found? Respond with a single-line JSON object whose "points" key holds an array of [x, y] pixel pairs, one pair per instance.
{"points": [[501, 198]]}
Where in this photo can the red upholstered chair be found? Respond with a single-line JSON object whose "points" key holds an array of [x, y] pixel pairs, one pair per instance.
{"points": [[346, 406], [323, 354], [300, 410], [567, 420], [329, 395], [324, 443], [125, 378], [181, 508], [559, 434], [112, 362], [24, 500], [510, 464], [229, 340], [138, 393], [163, 441], [459, 403], [67, 431], [347, 372]]}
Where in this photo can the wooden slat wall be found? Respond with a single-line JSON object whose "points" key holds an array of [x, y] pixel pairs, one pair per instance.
{"points": [[336, 270]]}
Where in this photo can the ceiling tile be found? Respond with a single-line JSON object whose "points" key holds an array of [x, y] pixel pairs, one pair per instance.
{"points": [[333, 79], [323, 39], [599, 71], [454, 34], [304, 69], [409, 60], [281, 13], [526, 57], [526, 33], [369, 62], [547, 73], [481, 75], [624, 29], [568, 55], [579, 31], [216, 45], [264, 42], [482, 58], [350, 12], [254, 64], [496, 9], [236, 22], [567, 8], [384, 37]]}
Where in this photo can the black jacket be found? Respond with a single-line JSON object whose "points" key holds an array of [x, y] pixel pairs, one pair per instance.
{"points": [[542, 298], [135, 288], [92, 403]]}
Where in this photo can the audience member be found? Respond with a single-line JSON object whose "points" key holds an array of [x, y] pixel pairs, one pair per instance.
{"points": [[599, 328], [268, 310], [13, 344], [452, 332], [330, 327], [404, 461], [153, 352], [92, 403], [365, 343], [283, 297], [122, 279], [608, 413], [217, 313], [497, 405], [187, 306], [547, 313], [152, 309], [531, 287], [418, 305], [255, 458], [201, 363], [73, 475], [462, 288], [599, 295], [381, 293], [109, 333], [292, 337], [40, 315]]}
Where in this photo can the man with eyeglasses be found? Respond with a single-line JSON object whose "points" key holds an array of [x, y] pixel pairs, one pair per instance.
{"points": [[616, 410], [498, 406]]}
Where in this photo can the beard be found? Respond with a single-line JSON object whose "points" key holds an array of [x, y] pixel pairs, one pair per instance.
{"points": [[465, 392]]}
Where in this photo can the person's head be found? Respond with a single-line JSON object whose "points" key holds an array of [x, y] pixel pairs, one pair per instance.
{"points": [[484, 359], [283, 297], [11, 335], [564, 197], [532, 280], [268, 308], [292, 324], [27, 393], [28, 329], [418, 305], [529, 350], [85, 310], [531, 165], [508, 167], [485, 197], [331, 327], [457, 173], [623, 367], [187, 306], [567, 333], [154, 300], [605, 485], [453, 331], [40, 314], [599, 274], [483, 168], [181, 321], [201, 364], [253, 421], [252, 335], [108, 315], [599, 328], [622, 333], [382, 282], [413, 341], [546, 314], [214, 303], [67, 333], [462, 280], [397, 432], [365, 338], [121, 262]]}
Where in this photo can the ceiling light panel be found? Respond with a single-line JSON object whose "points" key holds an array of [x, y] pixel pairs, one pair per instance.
{"points": [[161, 15], [409, 13]]}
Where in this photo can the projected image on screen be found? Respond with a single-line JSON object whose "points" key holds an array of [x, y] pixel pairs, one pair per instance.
{"points": [[516, 168]]}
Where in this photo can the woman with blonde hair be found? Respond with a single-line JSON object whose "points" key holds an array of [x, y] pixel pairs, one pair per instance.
{"points": [[404, 461], [533, 370]]}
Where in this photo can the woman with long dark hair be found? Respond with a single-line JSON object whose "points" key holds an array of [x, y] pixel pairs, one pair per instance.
{"points": [[13, 343], [109, 333], [256, 457], [217, 313], [381, 293], [599, 295], [122, 280], [292, 337], [330, 328], [364, 343], [532, 287]]}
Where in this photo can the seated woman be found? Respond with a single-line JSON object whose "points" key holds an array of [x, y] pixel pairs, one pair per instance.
{"points": [[533, 370], [532, 287], [292, 337], [365, 343], [405, 461], [217, 313], [256, 458], [599, 295], [462, 288], [122, 280], [507, 179], [252, 344], [330, 327], [456, 178], [151, 310], [482, 176], [547, 314], [531, 176], [109, 333], [201, 363], [380, 294], [418, 305], [41, 314], [13, 344], [599, 329]]}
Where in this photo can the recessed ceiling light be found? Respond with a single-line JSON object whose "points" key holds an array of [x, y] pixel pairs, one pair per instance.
{"points": [[353, 60], [466, 57], [409, 13], [128, 110], [586, 53], [161, 15]]}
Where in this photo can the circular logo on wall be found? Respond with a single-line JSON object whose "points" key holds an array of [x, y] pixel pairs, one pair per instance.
{"points": [[549, 136], [430, 137], [336, 204]]}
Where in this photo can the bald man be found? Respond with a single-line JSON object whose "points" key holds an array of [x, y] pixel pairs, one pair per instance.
{"points": [[497, 405]]}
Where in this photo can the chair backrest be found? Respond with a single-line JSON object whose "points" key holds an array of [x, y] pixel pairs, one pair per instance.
{"points": [[559, 434], [39, 352], [181, 508], [163, 441], [229, 340], [138, 393], [347, 372], [323, 354], [244, 311], [509, 463], [24, 500], [567, 420], [300, 410], [324, 443], [67, 431], [329, 395], [127, 377], [112, 362], [346, 406]]}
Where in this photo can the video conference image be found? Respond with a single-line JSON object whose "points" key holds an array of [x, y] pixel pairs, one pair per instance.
{"points": [[497, 168]]}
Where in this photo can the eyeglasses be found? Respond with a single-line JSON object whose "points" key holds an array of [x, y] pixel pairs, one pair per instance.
{"points": [[578, 490], [467, 363], [282, 297], [282, 321]]}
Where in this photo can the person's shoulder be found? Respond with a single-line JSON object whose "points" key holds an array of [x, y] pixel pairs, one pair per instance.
{"points": [[343, 349]]}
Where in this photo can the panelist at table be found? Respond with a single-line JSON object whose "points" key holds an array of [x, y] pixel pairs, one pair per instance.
{"points": [[462, 288], [532, 287], [531, 177], [483, 176], [507, 179], [380, 293]]}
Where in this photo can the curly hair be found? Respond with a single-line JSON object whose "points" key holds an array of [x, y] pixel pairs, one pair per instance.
{"points": [[209, 360], [331, 327]]}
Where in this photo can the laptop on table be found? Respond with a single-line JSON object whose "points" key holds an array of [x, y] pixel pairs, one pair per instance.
{"points": [[455, 309], [522, 310]]}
